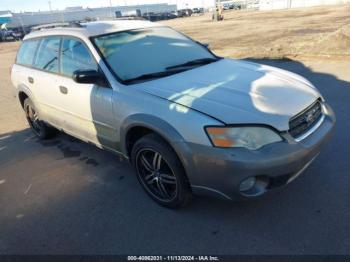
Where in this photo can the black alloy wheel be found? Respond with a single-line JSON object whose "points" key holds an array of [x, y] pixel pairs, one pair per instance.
{"points": [[160, 172], [40, 128], [33, 119], [156, 174]]}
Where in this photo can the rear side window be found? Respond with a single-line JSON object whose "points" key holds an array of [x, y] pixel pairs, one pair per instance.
{"points": [[26, 53], [47, 57], [75, 56]]}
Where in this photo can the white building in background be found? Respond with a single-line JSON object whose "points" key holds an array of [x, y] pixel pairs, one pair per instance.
{"points": [[283, 4], [72, 14]]}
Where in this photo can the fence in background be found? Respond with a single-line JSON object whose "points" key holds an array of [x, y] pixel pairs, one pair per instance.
{"points": [[28, 19], [283, 4]]}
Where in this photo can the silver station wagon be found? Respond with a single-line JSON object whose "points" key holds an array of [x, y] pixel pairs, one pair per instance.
{"points": [[189, 121]]}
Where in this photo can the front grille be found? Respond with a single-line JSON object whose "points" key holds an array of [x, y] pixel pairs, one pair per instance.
{"points": [[301, 123]]}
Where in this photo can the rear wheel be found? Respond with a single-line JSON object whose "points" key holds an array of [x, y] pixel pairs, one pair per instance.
{"points": [[41, 130], [160, 172]]}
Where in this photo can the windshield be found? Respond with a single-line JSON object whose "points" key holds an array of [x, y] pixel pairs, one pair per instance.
{"points": [[149, 52]]}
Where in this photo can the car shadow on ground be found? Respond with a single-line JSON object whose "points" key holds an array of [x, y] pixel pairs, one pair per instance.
{"points": [[63, 196]]}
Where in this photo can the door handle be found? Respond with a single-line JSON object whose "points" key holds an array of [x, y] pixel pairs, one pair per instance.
{"points": [[64, 90], [31, 80]]}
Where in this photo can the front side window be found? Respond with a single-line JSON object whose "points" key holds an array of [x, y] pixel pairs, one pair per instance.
{"points": [[27, 51], [47, 57], [157, 51], [75, 56]]}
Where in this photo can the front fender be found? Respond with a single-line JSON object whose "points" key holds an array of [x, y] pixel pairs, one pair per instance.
{"points": [[166, 131]]}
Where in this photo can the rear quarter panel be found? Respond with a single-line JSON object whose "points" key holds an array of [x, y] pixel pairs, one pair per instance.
{"points": [[20, 83]]}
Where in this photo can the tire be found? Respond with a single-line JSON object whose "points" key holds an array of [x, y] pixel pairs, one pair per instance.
{"points": [[160, 172], [40, 128]]}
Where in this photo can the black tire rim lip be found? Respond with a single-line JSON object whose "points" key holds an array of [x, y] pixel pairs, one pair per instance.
{"points": [[33, 119], [157, 182]]}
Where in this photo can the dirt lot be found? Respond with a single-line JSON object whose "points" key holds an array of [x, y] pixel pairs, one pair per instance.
{"points": [[64, 196], [317, 31]]}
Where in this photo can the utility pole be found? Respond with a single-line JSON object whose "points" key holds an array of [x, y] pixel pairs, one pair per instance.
{"points": [[217, 16], [21, 21], [50, 6], [110, 8]]}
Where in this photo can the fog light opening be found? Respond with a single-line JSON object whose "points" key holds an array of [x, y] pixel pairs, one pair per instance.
{"points": [[247, 184], [254, 186]]}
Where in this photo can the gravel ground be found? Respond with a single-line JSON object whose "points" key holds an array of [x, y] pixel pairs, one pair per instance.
{"points": [[316, 31]]}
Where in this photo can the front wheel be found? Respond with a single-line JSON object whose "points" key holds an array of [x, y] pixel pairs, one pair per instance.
{"points": [[41, 130], [160, 172]]}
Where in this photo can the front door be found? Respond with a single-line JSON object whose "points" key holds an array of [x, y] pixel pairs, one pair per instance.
{"points": [[87, 107]]}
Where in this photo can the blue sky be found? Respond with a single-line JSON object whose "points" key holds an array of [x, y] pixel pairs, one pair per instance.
{"points": [[43, 5]]}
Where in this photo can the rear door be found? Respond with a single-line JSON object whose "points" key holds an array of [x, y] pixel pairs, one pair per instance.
{"points": [[87, 107], [45, 79]]}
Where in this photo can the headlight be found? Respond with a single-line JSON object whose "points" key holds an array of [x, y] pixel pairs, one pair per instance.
{"points": [[249, 137]]}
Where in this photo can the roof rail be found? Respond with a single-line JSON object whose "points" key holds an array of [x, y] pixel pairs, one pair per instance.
{"points": [[56, 25]]}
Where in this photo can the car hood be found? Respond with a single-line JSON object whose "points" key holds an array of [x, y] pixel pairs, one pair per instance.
{"points": [[237, 92]]}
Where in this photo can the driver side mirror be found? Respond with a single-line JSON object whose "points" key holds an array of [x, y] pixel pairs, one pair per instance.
{"points": [[90, 77]]}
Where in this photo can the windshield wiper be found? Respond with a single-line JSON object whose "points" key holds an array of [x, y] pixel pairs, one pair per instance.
{"points": [[153, 75], [202, 61], [172, 70]]}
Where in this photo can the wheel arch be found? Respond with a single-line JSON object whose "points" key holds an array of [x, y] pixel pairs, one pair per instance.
{"points": [[138, 125], [21, 97], [24, 92], [145, 124]]}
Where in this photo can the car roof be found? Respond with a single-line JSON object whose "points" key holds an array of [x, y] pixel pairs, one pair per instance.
{"points": [[90, 29]]}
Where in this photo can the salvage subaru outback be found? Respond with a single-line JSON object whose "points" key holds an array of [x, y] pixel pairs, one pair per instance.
{"points": [[189, 121]]}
